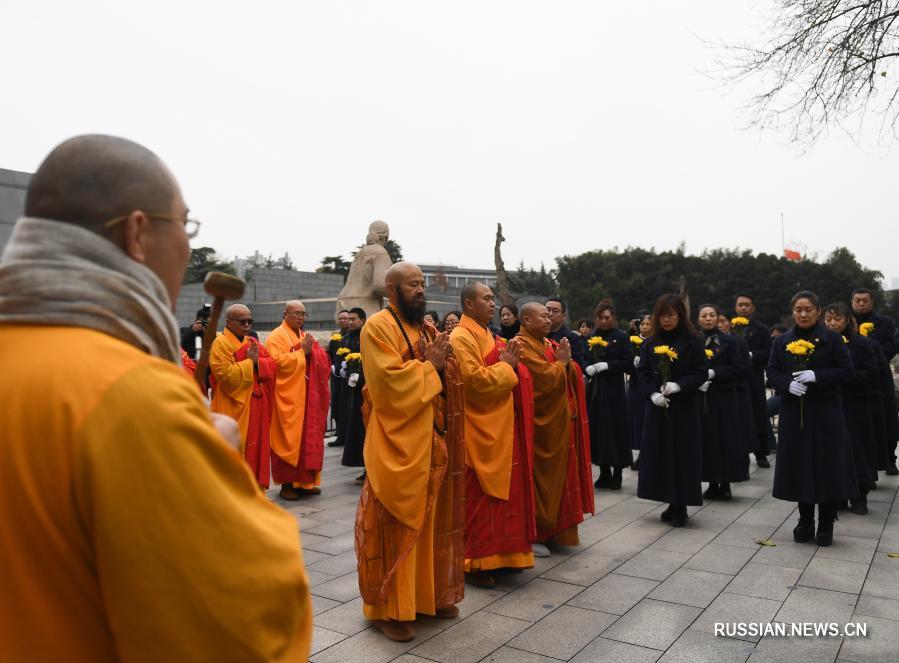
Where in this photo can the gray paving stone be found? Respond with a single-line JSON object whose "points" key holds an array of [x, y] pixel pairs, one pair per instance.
{"points": [[631, 539], [653, 624], [720, 559], [785, 552], [472, 639], [849, 548], [563, 633], [335, 565], [583, 569], [834, 574], [310, 557], [344, 588], [477, 598], [510, 655], [875, 606], [744, 535], [691, 587], [737, 609], [370, 646], [653, 564], [761, 516], [535, 600], [807, 604], [614, 594], [603, 650], [630, 510], [599, 527], [331, 528], [317, 578], [322, 638], [796, 650], [409, 658], [321, 604], [347, 618], [699, 647], [889, 540], [764, 581], [883, 577], [865, 527], [685, 539], [334, 545], [881, 644]]}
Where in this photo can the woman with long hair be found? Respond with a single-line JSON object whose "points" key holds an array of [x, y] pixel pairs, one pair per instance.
{"points": [[509, 324], [808, 366], [673, 366]]}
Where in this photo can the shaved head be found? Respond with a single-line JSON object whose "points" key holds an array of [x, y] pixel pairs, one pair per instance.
{"points": [[237, 311], [401, 271], [406, 290], [477, 302], [295, 314], [236, 317], [535, 320], [88, 180], [532, 308]]}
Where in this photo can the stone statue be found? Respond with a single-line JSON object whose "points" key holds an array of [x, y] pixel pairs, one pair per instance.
{"points": [[364, 285]]}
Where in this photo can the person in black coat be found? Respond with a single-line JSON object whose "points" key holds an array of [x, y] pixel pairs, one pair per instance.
{"points": [[746, 428], [612, 358], [352, 380], [671, 452], [856, 400], [509, 324], [815, 463], [884, 333], [758, 342], [559, 330], [723, 450], [641, 328]]}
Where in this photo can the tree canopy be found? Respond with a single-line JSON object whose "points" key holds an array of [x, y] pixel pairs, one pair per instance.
{"points": [[202, 261]]}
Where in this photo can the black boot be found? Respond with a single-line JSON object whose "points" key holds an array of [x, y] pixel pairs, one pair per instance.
{"points": [[678, 515], [827, 513], [762, 460], [892, 470], [615, 481], [711, 493], [805, 529], [605, 476], [635, 464], [860, 503], [666, 514], [724, 492]]}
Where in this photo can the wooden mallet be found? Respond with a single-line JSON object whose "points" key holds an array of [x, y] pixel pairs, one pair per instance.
{"points": [[221, 286]]}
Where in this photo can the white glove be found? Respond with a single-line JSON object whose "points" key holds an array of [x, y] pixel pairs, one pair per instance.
{"points": [[637, 361], [711, 374], [798, 389], [343, 370], [658, 400], [333, 369], [804, 377], [670, 388], [590, 370], [354, 378], [705, 385], [593, 369], [750, 354]]}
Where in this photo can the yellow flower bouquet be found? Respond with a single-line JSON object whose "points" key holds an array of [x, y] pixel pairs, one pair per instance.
{"points": [[341, 352], [597, 345], [866, 328], [336, 336], [802, 351]]}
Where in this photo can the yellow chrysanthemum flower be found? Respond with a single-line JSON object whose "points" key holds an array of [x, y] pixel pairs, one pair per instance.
{"points": [[800, 348], [336, 337], [866, 328], [342, 351], [845, 340], [636, 340], [354, 356], [665, 350], [739, 320], [593, 341], [709, 353]]}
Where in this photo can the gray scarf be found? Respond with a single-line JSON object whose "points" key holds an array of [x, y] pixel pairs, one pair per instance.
{"points": [[55, 273]]}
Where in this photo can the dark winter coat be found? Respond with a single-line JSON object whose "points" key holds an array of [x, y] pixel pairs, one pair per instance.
{"points": [[758, 342], [610, 429], [635, 405], [884, 334], [748, 433], [866, 450]]}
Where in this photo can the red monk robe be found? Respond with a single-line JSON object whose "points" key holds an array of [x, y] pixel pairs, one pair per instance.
{"points": [[494, 528], [301, 408], [188, 365]]}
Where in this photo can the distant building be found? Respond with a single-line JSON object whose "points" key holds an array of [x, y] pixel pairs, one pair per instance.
{"points": [[13, 185], [450, 277]]}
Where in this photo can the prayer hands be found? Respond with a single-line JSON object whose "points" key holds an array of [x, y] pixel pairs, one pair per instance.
{"points": [[436, 351], [798, 389], [306, 343], [511, 354], [563, 354], [804, 377], [253, 352], [658, 400], [670, 388], [227, 428]]}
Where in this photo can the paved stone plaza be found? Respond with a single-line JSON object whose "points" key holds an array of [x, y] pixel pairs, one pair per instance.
{"points": [[635, 590]]}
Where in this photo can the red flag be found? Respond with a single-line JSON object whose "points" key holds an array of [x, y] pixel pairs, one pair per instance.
{"points": [[795, 256]]}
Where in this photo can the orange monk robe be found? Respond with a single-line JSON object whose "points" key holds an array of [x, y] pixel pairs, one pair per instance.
{"points": [[398, 444], [562, 471], [489, 440], [188, 365], [291, 434], [245, 394]]}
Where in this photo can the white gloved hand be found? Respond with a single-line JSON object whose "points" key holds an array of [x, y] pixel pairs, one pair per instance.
{"points": [[804, 377], [637, 361], [343, 371], [711, 374], [670, 388], [602, 366], [750, 354], [590, 370], [658, 400], [333, 369], [798, 389], [353, 379], [705, 385]]}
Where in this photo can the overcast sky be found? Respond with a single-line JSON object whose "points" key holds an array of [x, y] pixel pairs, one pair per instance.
{"points": [[579, 125]]}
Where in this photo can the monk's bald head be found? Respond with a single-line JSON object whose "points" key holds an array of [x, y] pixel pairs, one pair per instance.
{"points": [[477, 302], [406, 290], [295, 314], [535, 319], [238, 320], [89, 180]]}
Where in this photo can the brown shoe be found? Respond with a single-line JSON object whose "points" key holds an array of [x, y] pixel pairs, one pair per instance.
{"points": [[289, 493], [480, 579], [450, 612], [309, 491], [396, 631], [360, 479]]}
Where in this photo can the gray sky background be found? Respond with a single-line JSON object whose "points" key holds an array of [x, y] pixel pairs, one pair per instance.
{"points": [[579, 125]]}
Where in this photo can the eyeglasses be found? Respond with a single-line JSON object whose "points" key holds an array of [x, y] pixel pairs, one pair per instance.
{"points": [[245, 321], [191, 226]]}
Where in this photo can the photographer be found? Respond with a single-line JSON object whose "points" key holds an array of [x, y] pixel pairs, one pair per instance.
{"points": [[192, 337]]}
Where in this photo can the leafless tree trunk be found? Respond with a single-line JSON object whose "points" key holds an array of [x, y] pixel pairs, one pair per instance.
{"points": [[502, 279], [683, 290], [825, 63]]}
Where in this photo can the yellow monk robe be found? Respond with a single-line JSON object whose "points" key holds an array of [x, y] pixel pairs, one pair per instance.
{"points": [[233, 379], [398, 449], [489, 436], [285, 346], [561, 443], [151, 542]]}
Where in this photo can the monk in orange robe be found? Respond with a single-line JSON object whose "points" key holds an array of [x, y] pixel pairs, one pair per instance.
{"points": [[562, 472], [499, 475], [411, 515], [243, 381], [301, 405]]}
